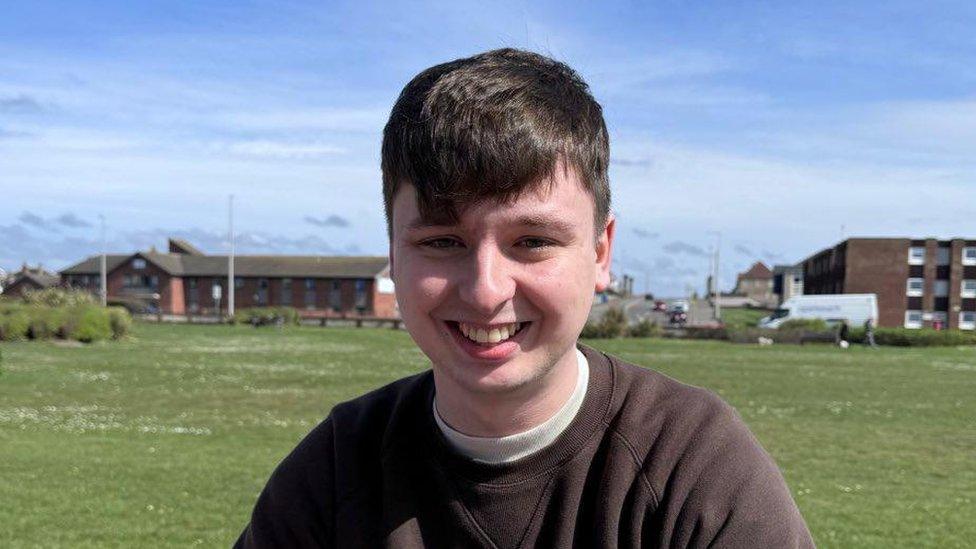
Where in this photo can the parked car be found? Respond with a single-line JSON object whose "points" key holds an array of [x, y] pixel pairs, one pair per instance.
{"points": [[677, 318], [680, 305], [660, 306]]}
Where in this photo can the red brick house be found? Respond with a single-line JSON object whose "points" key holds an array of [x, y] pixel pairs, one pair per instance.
{"points": [[28, 278], [181, 281], [756, 284]]}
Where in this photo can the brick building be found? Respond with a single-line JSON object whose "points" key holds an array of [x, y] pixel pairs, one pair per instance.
{"points": [[756, 284], [181, 281], [919, 282]]}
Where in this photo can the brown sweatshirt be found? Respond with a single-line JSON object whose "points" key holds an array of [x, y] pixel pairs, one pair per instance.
{"points": [[647, 462]]}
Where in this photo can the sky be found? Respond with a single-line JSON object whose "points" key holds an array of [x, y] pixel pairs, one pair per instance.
{"points": [[771, 129]]}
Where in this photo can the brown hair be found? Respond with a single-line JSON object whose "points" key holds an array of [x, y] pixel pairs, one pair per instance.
{"points": [[489, 126]]}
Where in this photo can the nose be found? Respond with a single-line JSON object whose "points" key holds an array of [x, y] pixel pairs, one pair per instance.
{"points": [[487, 283]]}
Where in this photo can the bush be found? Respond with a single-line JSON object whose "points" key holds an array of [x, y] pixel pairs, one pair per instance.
{"points": [[263, 316], [14, 325], [120, 322], [45, 322], [84, 322], [91, 324], [903, 337], [645, 328], [613, 324], [59, 297]]}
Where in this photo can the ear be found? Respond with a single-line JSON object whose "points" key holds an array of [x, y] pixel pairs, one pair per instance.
{"points": [[604, 247]]}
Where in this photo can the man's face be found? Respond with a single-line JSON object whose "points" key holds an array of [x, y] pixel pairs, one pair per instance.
{"points": [[497, 300]]}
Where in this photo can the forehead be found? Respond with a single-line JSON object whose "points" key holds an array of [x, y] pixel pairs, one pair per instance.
{"points": [[561, 202]]}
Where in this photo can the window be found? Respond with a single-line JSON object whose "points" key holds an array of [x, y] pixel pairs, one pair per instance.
{"points": [[286, 291], [941, 288], [969, 255], [238, 282], [138, 263], [968, 288], [967, 320], [335, 295], [915, 287], [361, 295], [916, 255], [309, 293], [944, 256], [941, 318], [192, 294], [261, 297], [913, 319]]}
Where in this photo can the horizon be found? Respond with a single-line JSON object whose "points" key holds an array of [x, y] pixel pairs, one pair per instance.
{"points": [[788, 129]]}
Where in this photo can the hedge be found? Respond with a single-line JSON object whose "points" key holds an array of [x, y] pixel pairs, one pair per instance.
{"points": [[261, 316], [79, 321]]}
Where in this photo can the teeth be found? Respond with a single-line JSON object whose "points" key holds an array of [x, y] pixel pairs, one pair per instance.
{"points": [[494, 335]]}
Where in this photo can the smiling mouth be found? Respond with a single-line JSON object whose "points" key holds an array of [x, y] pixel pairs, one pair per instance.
{"points": [[488, 335]]}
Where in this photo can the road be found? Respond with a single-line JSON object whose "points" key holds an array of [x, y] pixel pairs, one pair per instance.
{"points": [[637, 309]]}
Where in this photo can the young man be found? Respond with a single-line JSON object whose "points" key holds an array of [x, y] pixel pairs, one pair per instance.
{"points": [[498, 209]]}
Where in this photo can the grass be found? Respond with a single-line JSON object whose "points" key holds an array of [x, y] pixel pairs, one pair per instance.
{"points": [[165, 439]]}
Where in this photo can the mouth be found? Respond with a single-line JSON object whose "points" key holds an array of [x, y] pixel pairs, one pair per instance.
{"points": [[489, 341]]}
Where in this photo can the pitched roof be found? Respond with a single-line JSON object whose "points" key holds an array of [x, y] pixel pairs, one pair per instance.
{"points": [[297, 266], [91, 265], [759, 270], [180, 246], [43, 279]]}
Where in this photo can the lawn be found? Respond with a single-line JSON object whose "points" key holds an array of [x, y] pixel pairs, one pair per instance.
{"points": [[166, 439]]}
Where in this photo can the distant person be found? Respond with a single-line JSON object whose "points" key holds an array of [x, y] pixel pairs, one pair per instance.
{"points": [[498, 208], [843, 334], [869, 333]]}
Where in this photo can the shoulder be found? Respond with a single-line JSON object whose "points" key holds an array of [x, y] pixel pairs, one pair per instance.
{"points": [[651, 408], [709, 474], [332, 462]]}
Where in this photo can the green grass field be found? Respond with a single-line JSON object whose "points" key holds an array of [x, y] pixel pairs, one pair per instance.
{"points": [[166, 439]]}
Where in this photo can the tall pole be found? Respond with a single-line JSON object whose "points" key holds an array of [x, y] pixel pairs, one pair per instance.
{"points": [[718, 289], [103, 270], [230, 258]]}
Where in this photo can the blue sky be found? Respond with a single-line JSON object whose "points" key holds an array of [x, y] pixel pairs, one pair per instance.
{"points": [[782, 127]]}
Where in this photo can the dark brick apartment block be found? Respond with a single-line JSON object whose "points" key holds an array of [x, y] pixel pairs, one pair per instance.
{"points": [[181, 282], [919, 282]]}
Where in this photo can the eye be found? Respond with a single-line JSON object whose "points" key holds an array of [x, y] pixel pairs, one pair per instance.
{"points": [[534, 243], [441, 243]]}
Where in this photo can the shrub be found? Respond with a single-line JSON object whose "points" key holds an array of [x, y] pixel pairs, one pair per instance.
{"points": [[45, 322], [612, 324], [14, 325], [644, 328], [91, 324], [59, 297], [120, 322], [261, 316], [903, 337]]}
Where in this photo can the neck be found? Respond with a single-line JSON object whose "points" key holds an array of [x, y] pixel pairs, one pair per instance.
{"points": [[504, 414]]}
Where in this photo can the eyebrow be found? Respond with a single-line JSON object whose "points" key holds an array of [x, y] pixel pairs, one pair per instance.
{"points": [[534, 221]]}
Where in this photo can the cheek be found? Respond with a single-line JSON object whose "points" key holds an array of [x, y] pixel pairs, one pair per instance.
{"points": [[564, 286], [419, 289]]}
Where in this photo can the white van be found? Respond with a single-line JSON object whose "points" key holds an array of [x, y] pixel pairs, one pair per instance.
{"points": [[856, 309]]}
